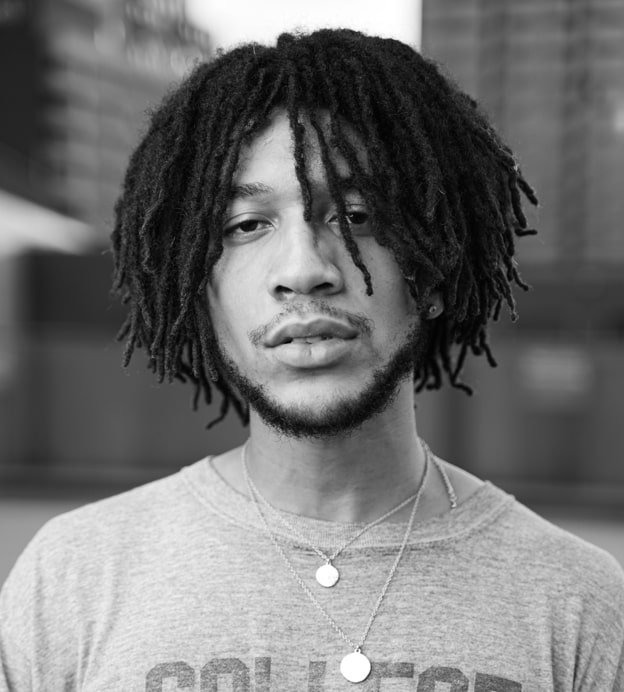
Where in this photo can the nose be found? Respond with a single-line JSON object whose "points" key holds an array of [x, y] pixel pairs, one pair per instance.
{"points": [[305, 262]]}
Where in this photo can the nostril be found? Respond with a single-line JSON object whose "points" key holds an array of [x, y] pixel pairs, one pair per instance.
{"points": [[290, 279], [324, 287]]}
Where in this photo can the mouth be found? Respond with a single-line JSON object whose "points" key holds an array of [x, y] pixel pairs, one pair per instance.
{"points": [[312, 339], [313, 353], [310, 332], [313, 344]]}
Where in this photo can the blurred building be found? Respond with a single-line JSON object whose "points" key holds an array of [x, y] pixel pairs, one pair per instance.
{"points": [[21, 132], [550, 73], [106, 64], [79, 76]]}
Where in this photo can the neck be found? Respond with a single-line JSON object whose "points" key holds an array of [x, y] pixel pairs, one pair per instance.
{"points": [[351, 478]]}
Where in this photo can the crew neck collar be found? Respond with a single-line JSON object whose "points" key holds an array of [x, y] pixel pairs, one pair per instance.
{"points": [[220, 498]]}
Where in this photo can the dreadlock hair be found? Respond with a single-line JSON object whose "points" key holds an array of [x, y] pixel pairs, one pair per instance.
{"points": [[443, 189]]}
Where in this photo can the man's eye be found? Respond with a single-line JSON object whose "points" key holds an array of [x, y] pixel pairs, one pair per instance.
{"points": [[246, 226], [358, 219]]}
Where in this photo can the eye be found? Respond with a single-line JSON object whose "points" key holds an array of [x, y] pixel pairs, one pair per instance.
{"points": [[357, 218], [246, 226]]}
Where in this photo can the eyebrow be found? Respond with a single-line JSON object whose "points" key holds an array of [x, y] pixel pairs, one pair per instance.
{"points": [[250, 190]]}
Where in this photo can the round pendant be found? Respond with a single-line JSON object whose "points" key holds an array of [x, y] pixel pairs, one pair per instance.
{"points": [[327, 575], [355, 667]]}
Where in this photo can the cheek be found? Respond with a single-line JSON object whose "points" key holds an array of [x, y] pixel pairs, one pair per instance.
{"points": [[220, 309], [230, 312], [388, 284], [397, 304]]}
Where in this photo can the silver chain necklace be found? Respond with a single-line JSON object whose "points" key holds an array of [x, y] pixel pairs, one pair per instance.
{"points": [[450, 490], [327, 575], [355, 666]]}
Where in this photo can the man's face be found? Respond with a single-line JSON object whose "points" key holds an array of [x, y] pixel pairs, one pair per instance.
{"points": [[298, 336]]}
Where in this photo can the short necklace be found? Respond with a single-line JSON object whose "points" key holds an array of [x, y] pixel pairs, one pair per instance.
{"points": [[355, 667], [327, 574], [452, 495]]}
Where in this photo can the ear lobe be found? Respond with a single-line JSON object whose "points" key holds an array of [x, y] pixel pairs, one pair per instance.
{"points": [[435, 306]]}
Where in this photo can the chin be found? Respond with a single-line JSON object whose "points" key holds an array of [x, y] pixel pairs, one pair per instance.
{"points": [[330, 416], [316, 410]]}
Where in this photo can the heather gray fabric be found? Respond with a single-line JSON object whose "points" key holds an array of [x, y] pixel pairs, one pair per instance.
{"points": [[175, 586]]}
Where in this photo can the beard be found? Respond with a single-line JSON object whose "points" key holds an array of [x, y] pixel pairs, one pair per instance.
{"points": [[345, 414]]}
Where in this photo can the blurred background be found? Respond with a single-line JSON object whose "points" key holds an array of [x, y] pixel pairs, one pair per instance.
{"points": [[76, 78]]}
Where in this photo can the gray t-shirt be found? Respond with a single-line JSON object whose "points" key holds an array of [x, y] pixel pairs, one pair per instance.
{"points": [[176, 586]]}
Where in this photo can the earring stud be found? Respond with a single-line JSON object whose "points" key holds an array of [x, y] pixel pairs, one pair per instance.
{"points": [[432, 309]]}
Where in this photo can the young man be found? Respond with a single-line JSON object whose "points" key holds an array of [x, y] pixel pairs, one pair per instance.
{"points": [[316, 230]]}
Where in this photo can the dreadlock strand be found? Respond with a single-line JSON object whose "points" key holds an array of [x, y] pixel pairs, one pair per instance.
{"points": [[528, 191], [336, 193], [298, 130]]}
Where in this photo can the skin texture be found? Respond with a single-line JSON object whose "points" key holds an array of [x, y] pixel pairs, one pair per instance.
{"points": [[278, 269]]}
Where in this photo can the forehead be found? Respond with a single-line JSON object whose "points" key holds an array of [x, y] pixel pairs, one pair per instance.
{"points": [[271, 152]]}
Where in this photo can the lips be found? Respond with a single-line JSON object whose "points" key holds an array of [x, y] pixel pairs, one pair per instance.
{"points": [[310, 332]]}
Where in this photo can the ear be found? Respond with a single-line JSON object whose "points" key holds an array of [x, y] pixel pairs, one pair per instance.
{"points": [[434, 306]]}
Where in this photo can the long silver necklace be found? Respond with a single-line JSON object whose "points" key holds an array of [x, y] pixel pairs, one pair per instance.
{"points": [[327, 575], [355, 666]]}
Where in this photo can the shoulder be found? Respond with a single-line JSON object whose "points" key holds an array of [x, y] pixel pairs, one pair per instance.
{"points": [[551, 544], [508, 539], [138, 509], [82, 560], [107, 529], [572, 592], [580, 589], [570, 568], [78, 559]]}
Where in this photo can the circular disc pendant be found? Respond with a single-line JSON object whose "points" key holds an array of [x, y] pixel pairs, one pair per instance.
{"points": [[355, 667], [327, 575]]}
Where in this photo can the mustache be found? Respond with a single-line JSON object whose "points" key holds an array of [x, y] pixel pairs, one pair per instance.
{"points": [[358, 321]]}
